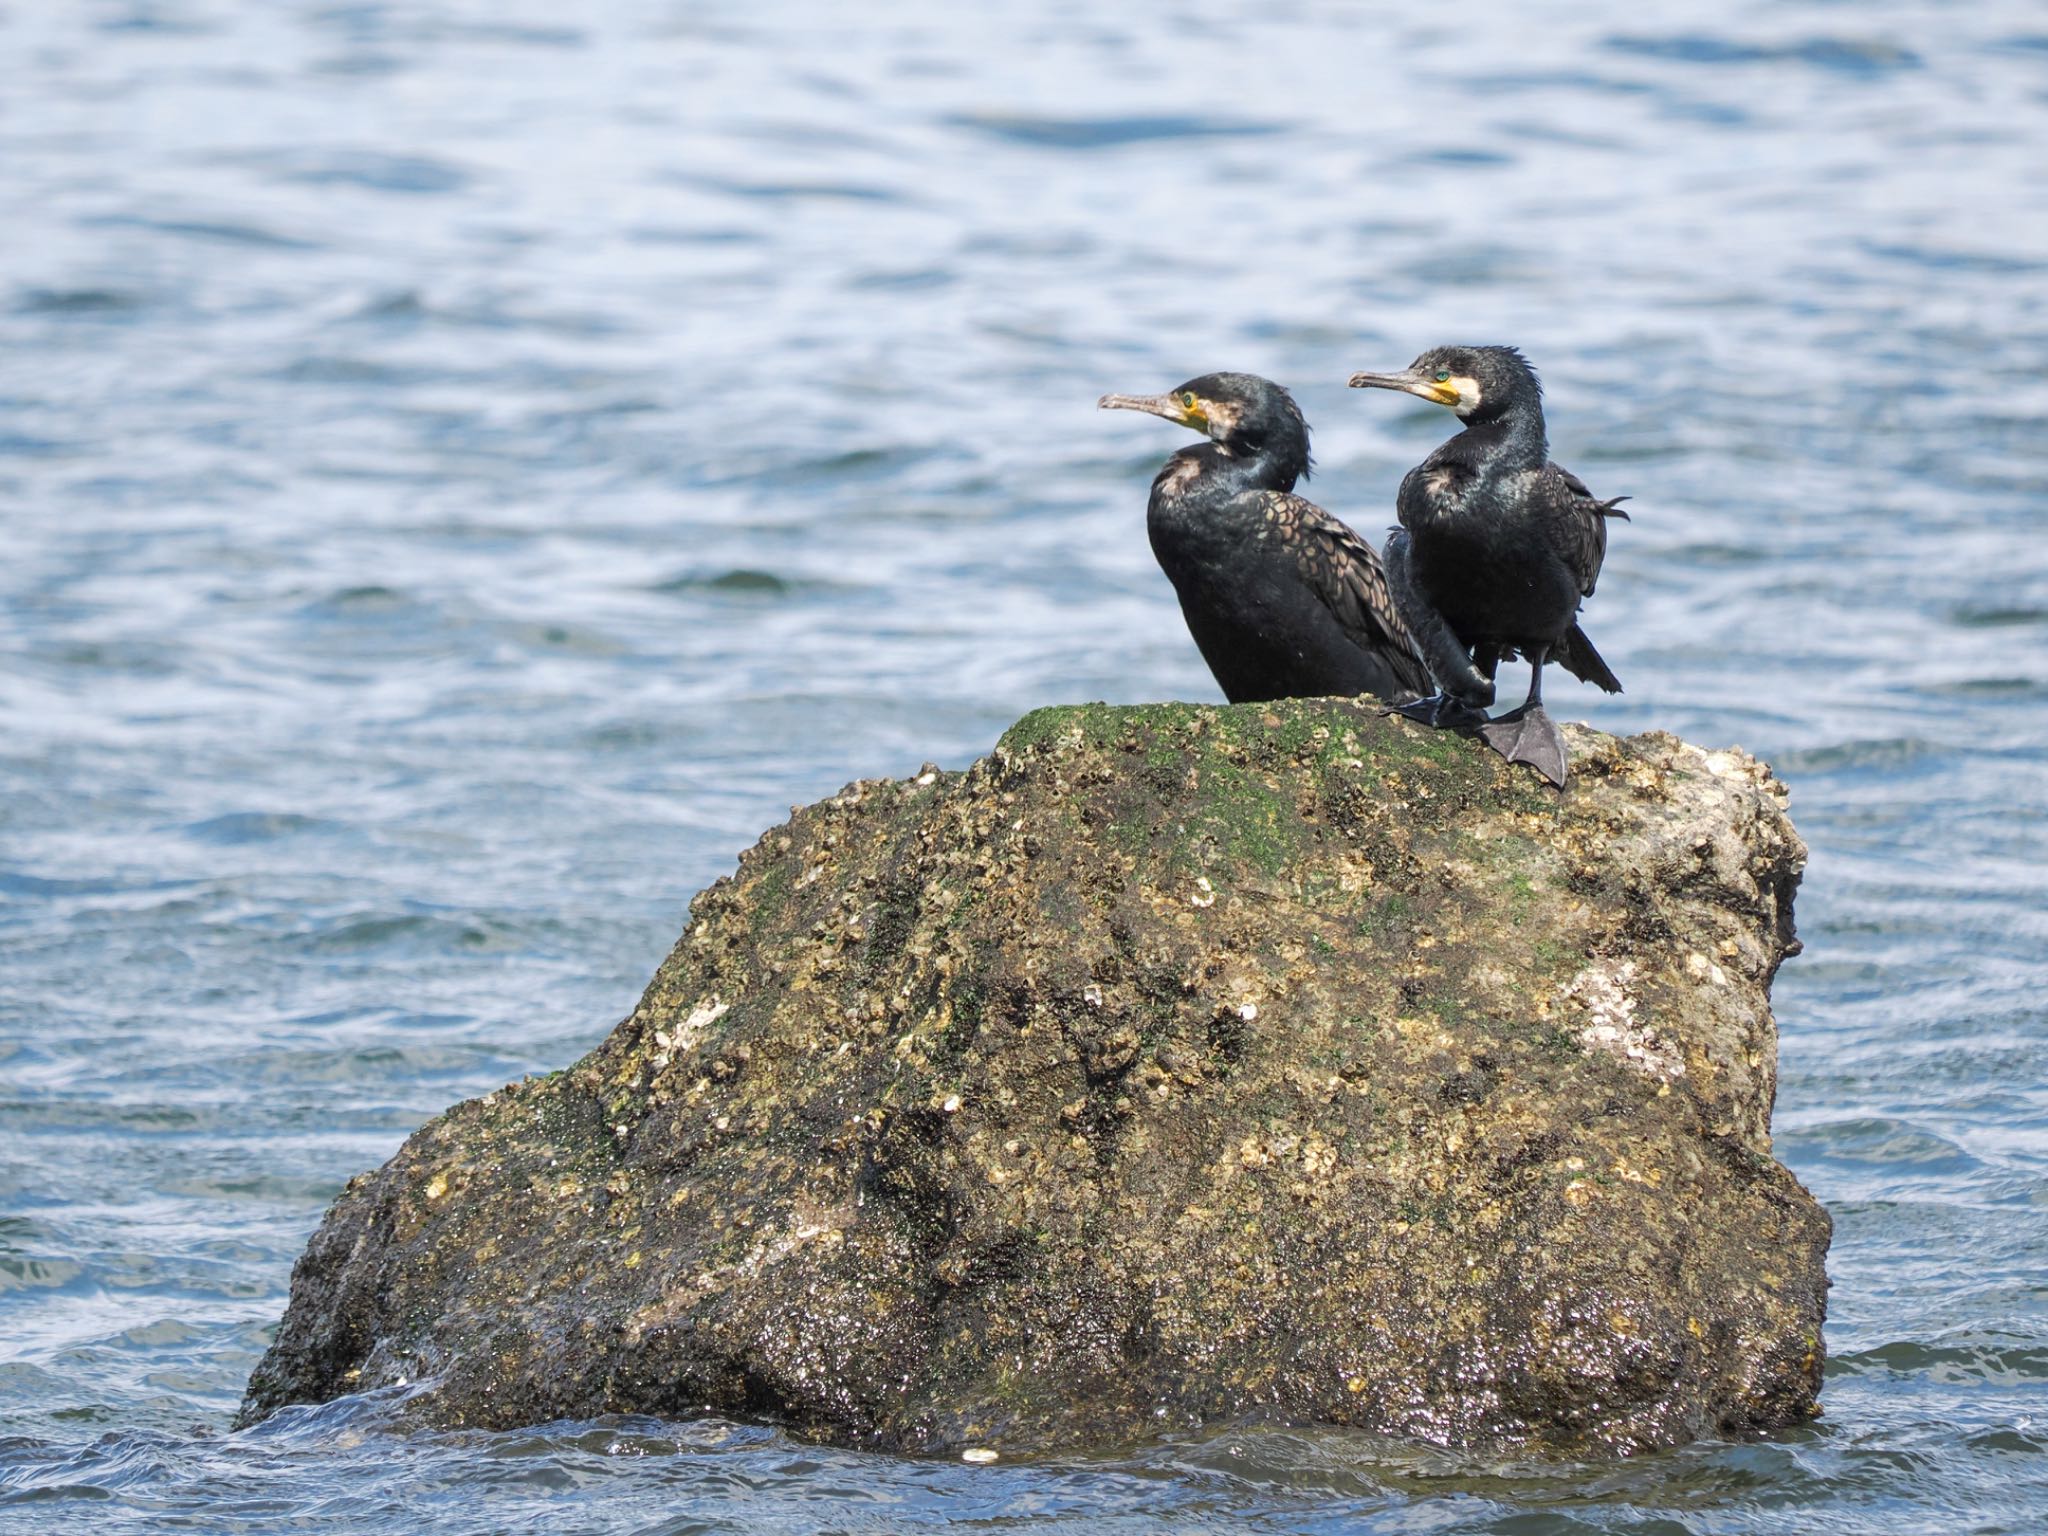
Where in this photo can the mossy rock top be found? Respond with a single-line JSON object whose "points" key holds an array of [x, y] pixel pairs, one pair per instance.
{"points": [[1171, 1065]]}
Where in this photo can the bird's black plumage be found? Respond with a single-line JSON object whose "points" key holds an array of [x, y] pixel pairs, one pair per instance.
{"points": [[1498, 546], [1282, 599]]}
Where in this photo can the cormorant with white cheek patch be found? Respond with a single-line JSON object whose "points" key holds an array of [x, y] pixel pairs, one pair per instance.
{"points": [[1283, 600], [1497, 549]]}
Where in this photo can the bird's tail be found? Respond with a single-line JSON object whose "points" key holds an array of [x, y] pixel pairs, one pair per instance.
{"points": [[1577, 656]]}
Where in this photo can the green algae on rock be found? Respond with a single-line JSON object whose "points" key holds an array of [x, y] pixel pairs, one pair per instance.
{"points": [[1171, 1065]]}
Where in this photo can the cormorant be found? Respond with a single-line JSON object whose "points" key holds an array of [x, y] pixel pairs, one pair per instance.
{"points": [[1497, 548], [1283, 600]]}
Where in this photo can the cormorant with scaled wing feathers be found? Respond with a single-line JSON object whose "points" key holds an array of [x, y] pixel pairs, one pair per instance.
{"points": [[1283, 600], [1496, 550]]}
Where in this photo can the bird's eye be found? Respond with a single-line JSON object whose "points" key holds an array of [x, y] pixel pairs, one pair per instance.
{"points": [[1188, 400], [1443, 375]]}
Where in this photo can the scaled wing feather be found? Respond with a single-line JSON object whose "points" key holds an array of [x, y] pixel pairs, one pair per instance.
{"points": [[1584, 518], [1346, 574]]}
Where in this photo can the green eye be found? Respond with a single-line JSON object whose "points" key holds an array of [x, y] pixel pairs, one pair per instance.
{"points": [[1443, 375], [1188, 399]]}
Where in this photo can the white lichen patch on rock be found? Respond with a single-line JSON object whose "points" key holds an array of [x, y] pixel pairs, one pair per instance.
{"points": [[683, 1039], [1605, 991], [1699, 965]]}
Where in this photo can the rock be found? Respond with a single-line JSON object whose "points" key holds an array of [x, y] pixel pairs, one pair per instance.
{"points": [[1169, 1066]]}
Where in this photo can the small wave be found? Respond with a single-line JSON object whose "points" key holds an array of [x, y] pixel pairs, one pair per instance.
{"points": [[913, 280], [1575, 80], [412, 931], [19, 1272], [1838, 55], [398, 1066], [837, 468], [364, 602], [682, 234], [219, 231], [524, 36], [1938, 259], [1878, 1141], [1105, 132], [240, 827], [359, 64], [108, 1466], [1721, 556], [1716, 114], [164, 1333], [77, 301], [137, 657], [339, 370], [791, 191], [14, 883], [264, 1189], [2009, 1438], [411, 174], [1997, 1363], [24, 445], [408, 307], [403, 304], [740, 581], [1460, 157], [150, 19], [1996, 615], [1882, 752], [1990, 688]]}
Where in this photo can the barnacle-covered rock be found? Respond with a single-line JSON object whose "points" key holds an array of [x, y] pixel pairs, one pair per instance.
{"points": [[1171, 1065]]}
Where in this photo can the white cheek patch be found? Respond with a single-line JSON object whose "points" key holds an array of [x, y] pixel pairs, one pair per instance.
{"points": [[1468, 393]]}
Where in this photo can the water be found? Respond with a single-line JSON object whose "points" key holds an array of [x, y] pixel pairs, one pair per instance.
{"points": [[467, 466]]}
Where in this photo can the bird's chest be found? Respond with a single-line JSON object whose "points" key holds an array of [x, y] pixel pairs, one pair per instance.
{"points": [[1238, 582], [1492, 576], [1207, 544]]}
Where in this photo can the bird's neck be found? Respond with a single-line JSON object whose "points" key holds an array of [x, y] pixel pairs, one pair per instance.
{"points": [[1505, 444], [1214, 470]]}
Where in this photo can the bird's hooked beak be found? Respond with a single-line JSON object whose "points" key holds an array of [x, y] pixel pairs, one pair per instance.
{"points": [[1410, 381], [1172, 407]]}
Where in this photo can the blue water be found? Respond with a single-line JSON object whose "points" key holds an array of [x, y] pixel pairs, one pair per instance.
{"points": [[467, 466]]}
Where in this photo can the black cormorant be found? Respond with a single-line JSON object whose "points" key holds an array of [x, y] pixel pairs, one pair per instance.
{"points": [[1283, 600], [1497, 548]]}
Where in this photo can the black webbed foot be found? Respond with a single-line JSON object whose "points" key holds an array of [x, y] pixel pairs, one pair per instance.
{"points": [[1528, 735], [1442, 711]]}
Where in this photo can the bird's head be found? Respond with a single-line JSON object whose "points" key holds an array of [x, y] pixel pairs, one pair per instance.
{"points": [[1244, 415], [1479, 383]]}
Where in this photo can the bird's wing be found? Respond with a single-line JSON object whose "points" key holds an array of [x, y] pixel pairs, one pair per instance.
{"points": [[1581, 518], [1342, 570], [1428, 483]]}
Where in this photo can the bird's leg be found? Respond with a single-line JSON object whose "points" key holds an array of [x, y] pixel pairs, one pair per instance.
{"points": [[1535, 698], [1526, 733], [1463, 691]]}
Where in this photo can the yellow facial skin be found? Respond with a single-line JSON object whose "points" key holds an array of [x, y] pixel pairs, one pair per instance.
{"points": [[1464, 392]]}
